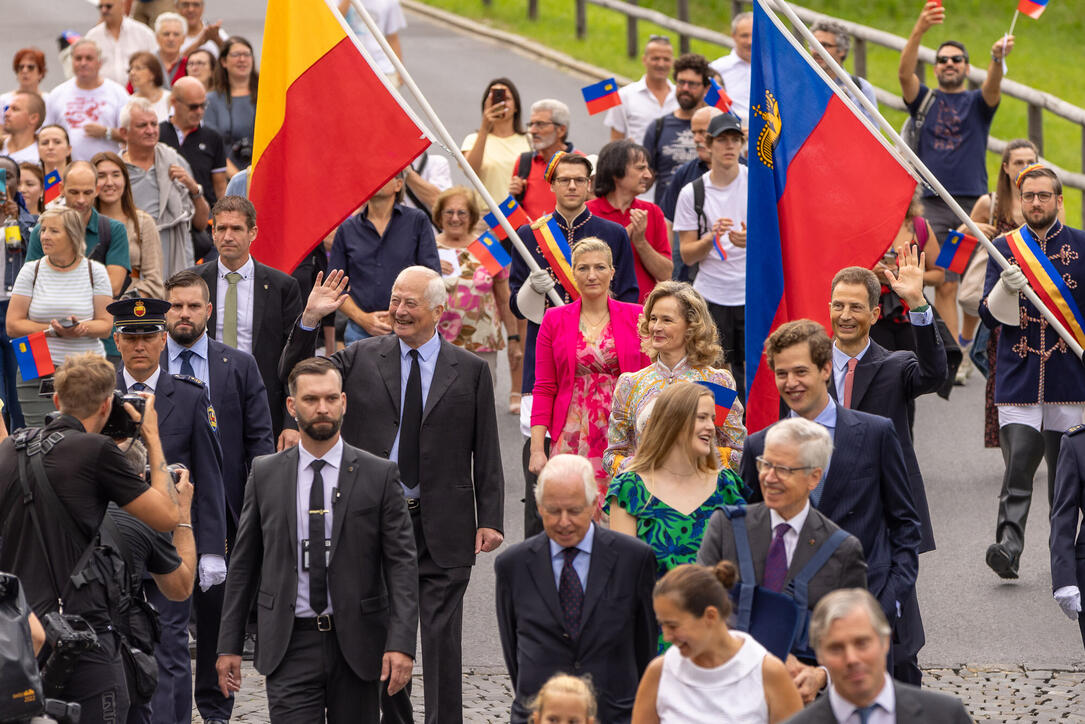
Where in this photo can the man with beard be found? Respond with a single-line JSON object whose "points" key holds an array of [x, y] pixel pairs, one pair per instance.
{"points": [[548, 129], [237, 394], [669, 140], [951, 124], [1040, 383], [325, 552]]}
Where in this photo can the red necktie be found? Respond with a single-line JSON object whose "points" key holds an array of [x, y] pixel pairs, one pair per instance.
{"points": [[849, 380]]}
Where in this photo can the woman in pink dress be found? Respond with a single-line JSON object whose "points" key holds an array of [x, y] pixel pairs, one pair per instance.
{"points": [[580, 351]]}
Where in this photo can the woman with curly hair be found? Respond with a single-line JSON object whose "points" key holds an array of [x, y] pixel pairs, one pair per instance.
{"points": [[678, 335]]}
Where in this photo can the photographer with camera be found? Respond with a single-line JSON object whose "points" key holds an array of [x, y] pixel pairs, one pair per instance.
{"points": [[55, 486], [189, 438]]}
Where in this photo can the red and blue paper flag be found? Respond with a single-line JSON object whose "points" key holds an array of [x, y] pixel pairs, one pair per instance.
{"points": [[717, 97], [717, 244], [1032, 8], [517, 217], [724, 398], [601, 96], [32, 354], [488, 250], [53, 187], [810, 158], [956, 251]]}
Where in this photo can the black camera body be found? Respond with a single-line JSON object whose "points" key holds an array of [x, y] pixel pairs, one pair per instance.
{"points": [[120, 424], [175, 472], [68, 637]]}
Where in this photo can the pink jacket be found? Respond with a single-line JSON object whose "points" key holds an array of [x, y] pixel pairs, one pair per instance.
{"points": [[555, 358]]}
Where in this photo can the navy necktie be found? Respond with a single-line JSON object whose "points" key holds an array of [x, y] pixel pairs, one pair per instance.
{"points": [[186, 363], [411, 424], [570, 593], [866, 712], [139, 387], [318, 566], [776, 561]]}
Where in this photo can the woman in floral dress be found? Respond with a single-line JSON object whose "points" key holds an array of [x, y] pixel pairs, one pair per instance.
{"points": [[478, 302]]}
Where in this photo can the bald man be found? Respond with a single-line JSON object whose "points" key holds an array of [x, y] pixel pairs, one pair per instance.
{"points": [[200, 146]]}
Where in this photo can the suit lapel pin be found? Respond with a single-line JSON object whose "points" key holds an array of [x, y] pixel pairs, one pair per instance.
{"points": [[265, 287], [225, 360], [811, 541], [350, 468]]}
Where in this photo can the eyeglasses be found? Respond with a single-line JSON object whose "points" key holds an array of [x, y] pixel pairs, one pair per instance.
{"points": [[196, 106], [451, 213], [540, 124], [239, 54], [570, 180], [943, 59], [26, 66], [689, 83], [783, 472], [1030, 196]]}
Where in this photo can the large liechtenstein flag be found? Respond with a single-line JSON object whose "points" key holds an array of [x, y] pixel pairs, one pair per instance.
{"points": [[825, 193]]}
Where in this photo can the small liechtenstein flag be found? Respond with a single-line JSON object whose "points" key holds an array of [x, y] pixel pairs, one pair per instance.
{"points": [[601, 96]]}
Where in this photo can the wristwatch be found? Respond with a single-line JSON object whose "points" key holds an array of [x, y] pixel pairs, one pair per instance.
{"points": [[513, 337], [199, 191]]}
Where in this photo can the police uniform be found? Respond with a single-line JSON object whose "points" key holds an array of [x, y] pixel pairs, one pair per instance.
{"points": [[187, 427], [1067, 539], [1039, 391]]}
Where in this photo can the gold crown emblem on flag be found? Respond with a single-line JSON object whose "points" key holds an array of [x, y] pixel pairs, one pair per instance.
{"points": [[770, 132]]}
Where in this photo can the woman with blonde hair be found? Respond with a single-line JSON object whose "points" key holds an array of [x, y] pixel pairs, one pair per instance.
{"points": [[679, 337], [580, 351], [144, 245], [564, 699]]}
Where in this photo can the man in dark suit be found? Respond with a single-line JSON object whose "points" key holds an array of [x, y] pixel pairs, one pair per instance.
{"points": [[428, 405], [851, 636], [1067, 539], [785, 532], [865, 490], [187, 423], [325, 551], [575, 598], [254, 305], [869, 378], [244, 428]]}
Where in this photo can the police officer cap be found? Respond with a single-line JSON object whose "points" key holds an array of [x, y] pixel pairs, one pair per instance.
{"points": [[139, 316]]}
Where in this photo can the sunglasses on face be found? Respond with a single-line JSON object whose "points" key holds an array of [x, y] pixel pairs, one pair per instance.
{"points": [[943, 59]]}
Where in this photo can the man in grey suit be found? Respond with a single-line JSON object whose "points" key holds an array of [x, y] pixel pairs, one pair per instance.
{"points": [[785, 531], [325, 550], [428, 405], [850, 633]]}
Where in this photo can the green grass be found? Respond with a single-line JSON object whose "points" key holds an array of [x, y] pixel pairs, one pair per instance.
{"points": [[1048, 54]]}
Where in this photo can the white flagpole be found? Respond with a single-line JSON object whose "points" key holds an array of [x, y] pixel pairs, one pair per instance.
{"points": [[904, 152], [443, 137]]}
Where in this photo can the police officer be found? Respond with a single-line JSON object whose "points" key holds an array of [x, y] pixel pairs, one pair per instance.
{"points": [[1068, 568], [188, 424], [86, 472]]}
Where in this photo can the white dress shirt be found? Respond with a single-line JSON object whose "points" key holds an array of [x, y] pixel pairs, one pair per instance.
{"points": [[151, 382], [133, 37], [427, 363], [795, 524], [736, 81], [245, 287], [330, 476], [199, 360], [639, 109], [885, 713]]}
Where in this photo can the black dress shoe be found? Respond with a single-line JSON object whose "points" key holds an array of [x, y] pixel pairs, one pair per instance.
{"points": [[248, 649], [1001, 561]]}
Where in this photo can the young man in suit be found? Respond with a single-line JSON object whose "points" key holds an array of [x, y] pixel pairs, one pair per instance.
{"points": [[785, 531], [851, 636], [237, 395], [325, 551], [575, 598], [865, 489], [1067, 538], [429, 406], [254, 304], [187, 423]]}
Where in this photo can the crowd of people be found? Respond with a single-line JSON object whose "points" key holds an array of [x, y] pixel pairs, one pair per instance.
{"points": [[311, 456]]}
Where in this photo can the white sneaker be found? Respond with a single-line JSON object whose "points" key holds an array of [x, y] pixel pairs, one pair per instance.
{"points": [[966, 368]]}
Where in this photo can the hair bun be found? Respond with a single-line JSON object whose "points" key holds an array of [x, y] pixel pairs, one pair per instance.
{"points": [[726, 573]]}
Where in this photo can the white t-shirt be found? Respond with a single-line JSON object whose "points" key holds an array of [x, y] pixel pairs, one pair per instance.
{"points": [[388, 17], [736, 81], [59, 294], [638, 109], [73, 107], [26, 155], [718, 281], [134, 37]]}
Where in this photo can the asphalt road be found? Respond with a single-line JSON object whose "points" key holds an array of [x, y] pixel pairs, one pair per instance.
{"points": [[971, 616]]}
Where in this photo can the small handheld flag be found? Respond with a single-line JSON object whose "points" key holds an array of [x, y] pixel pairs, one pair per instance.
{"points": [[32, 354], [717, 244], [717, 97], [601, 96], [490, 253], [555, 248], [517, 217], [53, 187], [724, 398], [1032, 8], [956, 251]]}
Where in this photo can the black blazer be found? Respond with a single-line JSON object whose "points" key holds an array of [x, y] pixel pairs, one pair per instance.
{"points": [[617, 632], [914, 706], [276, 304], [462, 484], [844, 569], [244, 420], [372, 573], [887, 383], [867, 494], [1067, 539]]}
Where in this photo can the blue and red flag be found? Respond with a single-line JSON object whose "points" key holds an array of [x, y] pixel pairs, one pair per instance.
{"points": [[825, 193], [32, 355], [717, 244], [52, 187], [724, 398], [717, 97], [601, 96], [956, 251], [1032, 8], [517, 217], [488, 250]]}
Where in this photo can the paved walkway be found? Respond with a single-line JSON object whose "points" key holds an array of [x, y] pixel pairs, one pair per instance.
{"points": [[990, 694]]}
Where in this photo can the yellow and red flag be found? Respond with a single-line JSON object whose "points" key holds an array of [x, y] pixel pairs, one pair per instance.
{"points": [[329, 133]]}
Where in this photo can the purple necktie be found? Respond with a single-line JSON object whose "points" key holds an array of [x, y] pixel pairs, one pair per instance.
{"points": [[570, 593], [776, 562]]}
